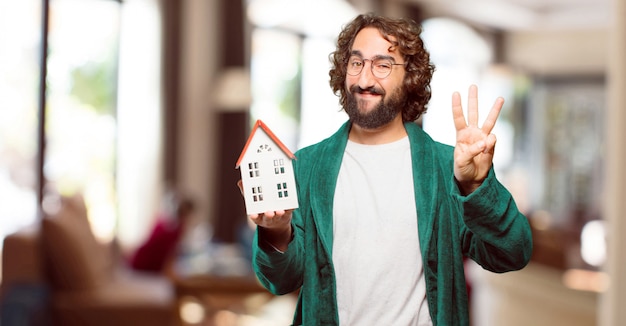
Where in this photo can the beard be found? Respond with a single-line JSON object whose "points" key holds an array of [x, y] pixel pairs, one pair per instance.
{"points": [[380, 115]]}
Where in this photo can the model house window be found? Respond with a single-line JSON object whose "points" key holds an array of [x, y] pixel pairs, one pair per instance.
{"points": [[279, 166], [257, 194], [282, 190], [264, 148], [254, 169]]}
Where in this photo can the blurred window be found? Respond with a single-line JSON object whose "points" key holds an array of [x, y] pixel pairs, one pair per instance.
{"points": [[276, 77], [289, 64], [564, 156], [81, 105], [20, 30], [80, 113], [102, 120]]}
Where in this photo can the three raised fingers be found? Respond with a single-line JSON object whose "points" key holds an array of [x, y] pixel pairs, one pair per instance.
{"points": [[472, 112]]}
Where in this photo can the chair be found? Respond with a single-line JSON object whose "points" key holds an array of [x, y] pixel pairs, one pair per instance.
{"points": [[84, 284]]}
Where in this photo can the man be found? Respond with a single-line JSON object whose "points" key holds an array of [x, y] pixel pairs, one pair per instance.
{"points": [[386, 215]]}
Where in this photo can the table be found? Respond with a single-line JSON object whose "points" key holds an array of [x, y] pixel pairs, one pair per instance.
{"points": [[211, 300]]}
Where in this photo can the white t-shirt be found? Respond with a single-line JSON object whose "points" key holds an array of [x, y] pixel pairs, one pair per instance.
{"points": [[376, 253]]}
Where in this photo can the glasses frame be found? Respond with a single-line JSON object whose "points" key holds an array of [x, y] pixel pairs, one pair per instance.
{"points": [[372, 66]]}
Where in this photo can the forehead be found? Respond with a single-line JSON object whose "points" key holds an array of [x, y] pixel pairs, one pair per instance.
{"points": [[369, 42]]}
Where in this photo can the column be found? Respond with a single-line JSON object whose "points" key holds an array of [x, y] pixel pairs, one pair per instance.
{"points": [[612, 312]]}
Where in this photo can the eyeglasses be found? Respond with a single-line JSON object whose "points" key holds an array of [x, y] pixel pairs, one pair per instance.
{"points": [[381, 67]]}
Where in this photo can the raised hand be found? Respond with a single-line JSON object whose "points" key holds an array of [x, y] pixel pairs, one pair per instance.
{"points": [[473, 153]]}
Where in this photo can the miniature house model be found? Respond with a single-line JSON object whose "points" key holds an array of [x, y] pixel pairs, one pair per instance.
{"points": [[267, 172]]}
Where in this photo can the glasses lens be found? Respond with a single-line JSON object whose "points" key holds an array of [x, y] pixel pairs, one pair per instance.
{"points": [[381, 68], [355, 65]]}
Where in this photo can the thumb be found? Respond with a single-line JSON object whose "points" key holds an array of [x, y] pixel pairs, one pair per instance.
{"points": [[240, 185], [477, 148]]}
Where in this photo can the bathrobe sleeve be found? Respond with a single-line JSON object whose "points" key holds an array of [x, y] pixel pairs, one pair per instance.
{"points": [[494, 233]]}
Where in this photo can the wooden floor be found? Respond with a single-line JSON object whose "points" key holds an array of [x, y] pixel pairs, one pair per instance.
{"points": [[534, 296]]}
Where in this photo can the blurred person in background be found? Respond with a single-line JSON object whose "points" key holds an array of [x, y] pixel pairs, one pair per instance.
{"points": [[158, 252], [387, 215]]}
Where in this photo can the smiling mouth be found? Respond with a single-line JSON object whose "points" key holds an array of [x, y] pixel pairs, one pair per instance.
{"points": [[367, 91], [366, 95]]}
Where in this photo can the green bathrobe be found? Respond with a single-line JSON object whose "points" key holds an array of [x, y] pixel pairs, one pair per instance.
{"points": [[485, 226]]}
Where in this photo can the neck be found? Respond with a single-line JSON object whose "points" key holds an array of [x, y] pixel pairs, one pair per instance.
{"points": [[388, 133]]}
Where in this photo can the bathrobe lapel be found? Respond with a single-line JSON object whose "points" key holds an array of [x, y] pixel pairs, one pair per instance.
{"points": [[425, 184], [323, 183]]}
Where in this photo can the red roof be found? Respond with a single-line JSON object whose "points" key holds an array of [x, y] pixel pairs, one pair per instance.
{"points": [[267, 130]]}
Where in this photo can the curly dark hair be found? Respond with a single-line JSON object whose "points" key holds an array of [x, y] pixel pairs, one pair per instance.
{"points": [[419, 69]]}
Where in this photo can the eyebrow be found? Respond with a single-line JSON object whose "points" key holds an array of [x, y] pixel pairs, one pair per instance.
{"points": [[380, 56]]}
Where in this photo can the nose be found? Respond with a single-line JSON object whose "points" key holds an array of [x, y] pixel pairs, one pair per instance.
{"points": [[366, 77]]}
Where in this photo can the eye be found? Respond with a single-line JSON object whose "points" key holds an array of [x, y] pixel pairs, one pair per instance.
{"points": [[356, 63], [382, 64]]}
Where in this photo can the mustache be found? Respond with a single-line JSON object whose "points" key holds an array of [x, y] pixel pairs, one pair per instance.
{"points": [[371, 90]]}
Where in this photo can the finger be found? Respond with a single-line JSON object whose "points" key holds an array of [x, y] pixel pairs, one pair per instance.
{"points": [[457, 112], [470, 152], [472, 106], [240, 185], [477, 148], [255, 218], [490, 122], [490, 144]]}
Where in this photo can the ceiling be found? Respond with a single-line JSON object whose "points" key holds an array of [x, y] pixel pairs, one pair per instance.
{"points": [[304, 16], [513, 15]]}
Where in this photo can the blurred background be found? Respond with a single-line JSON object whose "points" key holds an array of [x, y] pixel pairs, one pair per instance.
{"points": [[121, 101]]}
